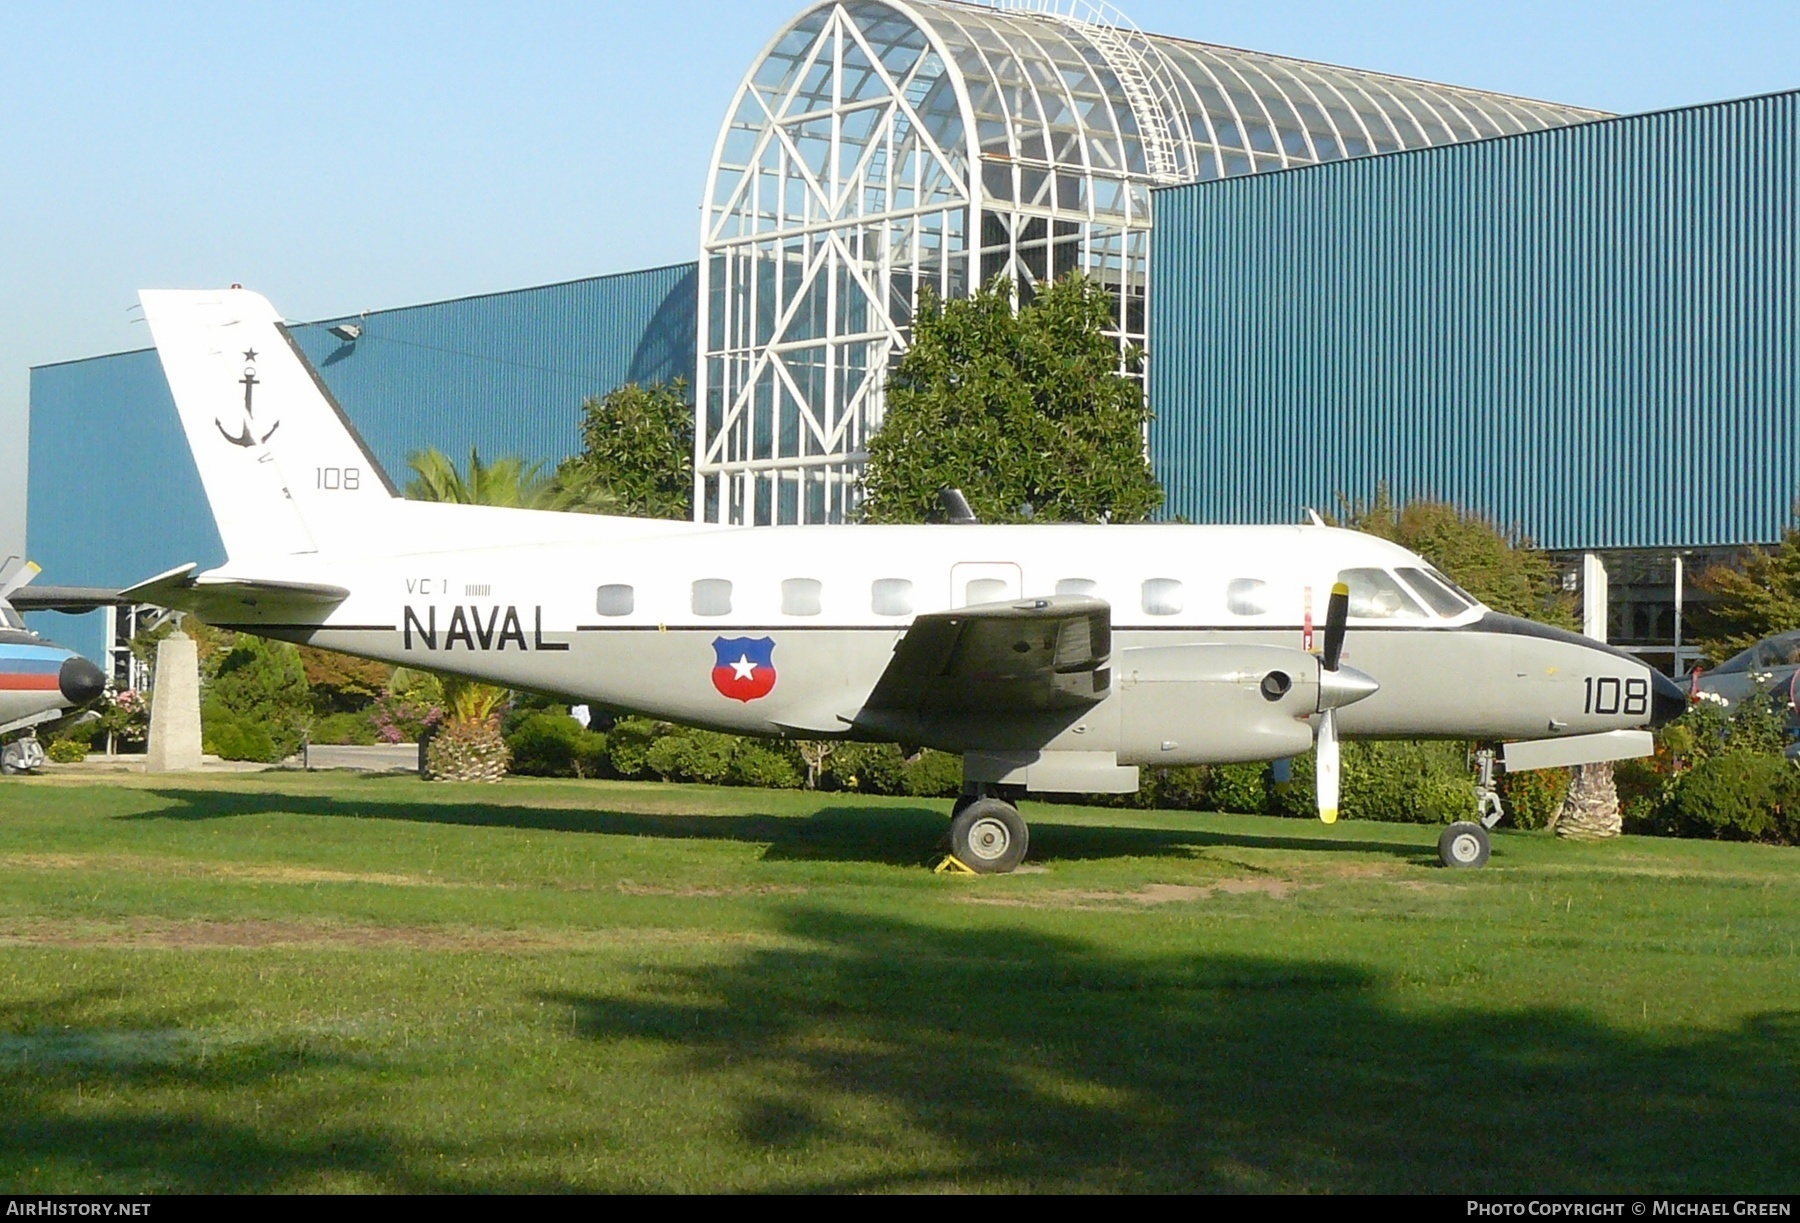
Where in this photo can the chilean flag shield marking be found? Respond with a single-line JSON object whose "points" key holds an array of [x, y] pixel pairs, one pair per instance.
{"points": [[745, 668]]}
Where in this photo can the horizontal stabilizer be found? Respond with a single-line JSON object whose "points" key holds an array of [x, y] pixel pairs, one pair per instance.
{"points": [[247, 601]]}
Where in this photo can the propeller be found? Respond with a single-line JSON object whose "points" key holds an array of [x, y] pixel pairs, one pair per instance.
{"points": [[1338, 686], [21, 578]]}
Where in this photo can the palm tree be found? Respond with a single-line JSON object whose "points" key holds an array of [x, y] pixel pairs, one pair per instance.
{"points": [[469, 745], [509, 481]]}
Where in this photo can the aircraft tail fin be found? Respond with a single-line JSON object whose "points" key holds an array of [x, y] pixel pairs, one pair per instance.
{"points": [[284, 470]]}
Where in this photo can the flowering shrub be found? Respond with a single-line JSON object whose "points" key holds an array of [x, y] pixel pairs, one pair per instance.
{"points": [[411, 706], [126, 717]]}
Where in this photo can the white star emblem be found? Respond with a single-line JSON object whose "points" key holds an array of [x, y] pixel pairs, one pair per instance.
{"points": [[743, 668]]}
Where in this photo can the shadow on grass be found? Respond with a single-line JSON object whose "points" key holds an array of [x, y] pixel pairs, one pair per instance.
{"points": [[130, 1106], [880, 1054], [1011, 1059], [876, 833]]}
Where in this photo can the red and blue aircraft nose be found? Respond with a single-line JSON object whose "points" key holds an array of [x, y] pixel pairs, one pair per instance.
{"points": [[80, 680], [43, 668]]}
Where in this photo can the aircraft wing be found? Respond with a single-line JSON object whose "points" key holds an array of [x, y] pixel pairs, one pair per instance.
{"points": [[1049, 653], [65, 598], [223, 600]]}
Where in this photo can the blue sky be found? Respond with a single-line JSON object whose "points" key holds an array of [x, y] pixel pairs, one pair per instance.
{"points": [[360, 155]]}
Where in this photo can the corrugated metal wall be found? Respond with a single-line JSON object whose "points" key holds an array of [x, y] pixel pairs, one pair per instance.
{"points": [[505, 372], [1589, 332], [114, 496]]}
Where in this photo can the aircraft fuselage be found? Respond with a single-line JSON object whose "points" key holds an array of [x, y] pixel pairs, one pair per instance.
{"points": [[787, 630]]}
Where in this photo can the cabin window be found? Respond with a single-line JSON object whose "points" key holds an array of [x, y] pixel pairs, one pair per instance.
{"points": [[1161, 596], [614, 599], [891, 597], [1376, 594], [985, 590], [1443, 600], [1077, 586], [1248, 597], [712, 597], [800, 596]]}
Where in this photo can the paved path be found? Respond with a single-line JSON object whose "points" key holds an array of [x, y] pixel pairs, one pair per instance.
{"points": [[380, 758]]}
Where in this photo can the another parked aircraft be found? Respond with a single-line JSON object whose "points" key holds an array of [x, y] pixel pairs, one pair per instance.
{"points": [[40, 682]]}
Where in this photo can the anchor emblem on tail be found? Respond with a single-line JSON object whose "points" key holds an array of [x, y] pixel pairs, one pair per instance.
{"points": [[246, 436]]}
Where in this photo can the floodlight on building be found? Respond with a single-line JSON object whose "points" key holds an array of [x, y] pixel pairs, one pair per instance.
{"points": [[347, 332]]}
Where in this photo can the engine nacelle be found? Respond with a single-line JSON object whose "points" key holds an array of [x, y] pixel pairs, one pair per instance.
{"points": [[1215, 704]]}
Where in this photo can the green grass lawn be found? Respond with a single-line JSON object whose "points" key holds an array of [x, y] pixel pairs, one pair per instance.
{"points": [[323, 982]]}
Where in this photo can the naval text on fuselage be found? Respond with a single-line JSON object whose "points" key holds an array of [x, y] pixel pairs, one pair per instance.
{"points": [[492, 629]]}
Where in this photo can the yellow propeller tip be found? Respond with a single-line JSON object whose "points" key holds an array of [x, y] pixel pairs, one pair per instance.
{"points": [[1328, 815], [1341, 588]]}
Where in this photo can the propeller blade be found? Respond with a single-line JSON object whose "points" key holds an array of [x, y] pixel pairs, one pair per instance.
{"points": [[21, 578], [1325, 767], [1337, 615]]}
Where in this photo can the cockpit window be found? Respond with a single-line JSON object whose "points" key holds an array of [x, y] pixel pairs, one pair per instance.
{"points": [[1782, 651], [1444, 601], [1376, 594], [1443, 579]]}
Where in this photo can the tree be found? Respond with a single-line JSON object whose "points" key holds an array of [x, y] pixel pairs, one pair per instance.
{"points": [[637, 454], [1756, 598], [473, 747], [470, 745], [509, 481], [1024, 410], [342, 683], [256, 704], [1501, 568]]}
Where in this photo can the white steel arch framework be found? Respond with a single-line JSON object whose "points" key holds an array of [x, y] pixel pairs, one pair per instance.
{"points": [[879, 147]]}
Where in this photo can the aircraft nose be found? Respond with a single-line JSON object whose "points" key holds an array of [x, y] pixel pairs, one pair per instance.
{"points": [[1667, 699], [80, 681]]}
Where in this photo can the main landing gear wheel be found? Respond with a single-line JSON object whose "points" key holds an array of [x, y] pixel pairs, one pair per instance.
{"points": [[1463, 844], [988, 836]]}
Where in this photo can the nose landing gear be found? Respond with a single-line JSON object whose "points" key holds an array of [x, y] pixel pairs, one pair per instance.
{"points": [[22, 755], [1465, 843]]}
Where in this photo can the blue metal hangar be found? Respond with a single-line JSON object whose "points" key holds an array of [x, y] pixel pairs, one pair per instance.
{"points": [[1592, 332], [879, 146]]}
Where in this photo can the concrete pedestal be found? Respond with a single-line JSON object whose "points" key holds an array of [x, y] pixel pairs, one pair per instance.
{"points": [[175, 706]]}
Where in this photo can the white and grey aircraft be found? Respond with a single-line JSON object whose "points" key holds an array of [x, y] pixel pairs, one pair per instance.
{"points": [[1053, 658], [40, 682]]}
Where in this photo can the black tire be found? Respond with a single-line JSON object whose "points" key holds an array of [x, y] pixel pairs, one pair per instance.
{"points": [[1463, 845], [989, 836], [962, 804]]}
